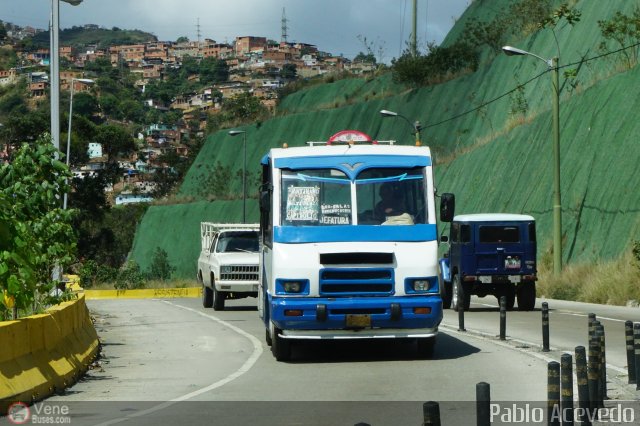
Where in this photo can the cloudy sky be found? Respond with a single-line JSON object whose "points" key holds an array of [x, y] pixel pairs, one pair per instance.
{"points": [[335, 26]]}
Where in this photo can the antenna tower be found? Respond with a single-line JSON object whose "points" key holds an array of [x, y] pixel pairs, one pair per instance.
{"points": [[284, 27]]}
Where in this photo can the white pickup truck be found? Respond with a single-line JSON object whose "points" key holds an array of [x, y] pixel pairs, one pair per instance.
{"points": [[228, 262]]}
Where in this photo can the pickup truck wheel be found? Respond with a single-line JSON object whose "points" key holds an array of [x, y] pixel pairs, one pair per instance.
{"points": [[281, 348], [207, 296], [526, 296], [425, 346], [461, 295], [218, 299], [446, 294]]}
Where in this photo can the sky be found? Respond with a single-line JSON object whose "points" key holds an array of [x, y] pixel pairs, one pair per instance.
{"points": [[339, 27]]}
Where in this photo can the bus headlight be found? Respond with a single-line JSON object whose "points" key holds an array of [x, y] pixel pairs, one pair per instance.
{"points": [[292, 286], [421, 285]]}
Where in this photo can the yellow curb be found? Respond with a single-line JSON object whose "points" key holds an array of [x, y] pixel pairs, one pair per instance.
{"points": [[146, 293]]}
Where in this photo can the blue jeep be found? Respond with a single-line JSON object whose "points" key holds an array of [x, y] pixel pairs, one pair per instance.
{"points": [[490, 253]]}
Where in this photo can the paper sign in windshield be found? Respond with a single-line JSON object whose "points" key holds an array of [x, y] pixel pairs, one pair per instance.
{"points": [[302, 203]]}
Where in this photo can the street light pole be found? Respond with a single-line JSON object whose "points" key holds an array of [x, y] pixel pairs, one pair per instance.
{"points": [[416, 126], [244, 171], [73, 80], [557, 199], [54, 68]]}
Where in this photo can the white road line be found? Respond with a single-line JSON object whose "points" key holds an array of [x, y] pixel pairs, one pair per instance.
{"points": [[257, 351]]}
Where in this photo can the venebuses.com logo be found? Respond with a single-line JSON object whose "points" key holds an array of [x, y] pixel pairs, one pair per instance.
{"points": [[18, 413]]}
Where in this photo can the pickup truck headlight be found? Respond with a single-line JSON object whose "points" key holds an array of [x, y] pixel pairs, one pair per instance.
{"points": [[226, 269]]}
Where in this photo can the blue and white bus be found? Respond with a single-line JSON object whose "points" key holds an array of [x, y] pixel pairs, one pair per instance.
{"points": [[335, 261]]}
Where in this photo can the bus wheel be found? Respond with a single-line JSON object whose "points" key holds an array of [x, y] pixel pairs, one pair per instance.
{"points": [[267, 337], [281, 348], [446, 294]]}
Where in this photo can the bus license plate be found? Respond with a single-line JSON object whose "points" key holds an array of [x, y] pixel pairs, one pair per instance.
{"points": [[359, 321]]}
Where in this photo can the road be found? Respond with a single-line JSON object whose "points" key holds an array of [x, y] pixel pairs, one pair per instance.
{"points": [[168, 361]]}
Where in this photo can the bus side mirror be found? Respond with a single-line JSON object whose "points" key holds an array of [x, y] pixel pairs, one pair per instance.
{"points": [[447, 207], [265, 205]]}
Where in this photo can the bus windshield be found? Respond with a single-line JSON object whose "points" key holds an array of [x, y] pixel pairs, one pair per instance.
{"points": [[378, 196]]}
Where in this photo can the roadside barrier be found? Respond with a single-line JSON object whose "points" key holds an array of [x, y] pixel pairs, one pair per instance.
{"points": [[503, 318], [631, 361], [545, 327], [636, 350], [553, 392], [431, 413], [583, 385], [566, 388], [45, 353], [483, 404]]}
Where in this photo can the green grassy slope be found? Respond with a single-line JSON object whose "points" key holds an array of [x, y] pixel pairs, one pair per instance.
{"points": [[490, 167]]}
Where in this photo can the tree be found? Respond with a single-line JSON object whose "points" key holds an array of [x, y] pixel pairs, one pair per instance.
{"points": [[115, 141], [37, 233], [289, 71], [213, 70], [160, 268]]}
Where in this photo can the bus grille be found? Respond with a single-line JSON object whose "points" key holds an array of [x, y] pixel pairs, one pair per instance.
{"points": [[356, 282], [240, 273]]}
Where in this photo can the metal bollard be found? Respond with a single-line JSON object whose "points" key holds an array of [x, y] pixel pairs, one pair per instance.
{"points": [[545, 327], [636, 351], [603, 363], [566, 388], [593, 373], [503, 318], [553, 393], [461, 318], [483, 404], [583, 385], [431, 413], [631, 360]]}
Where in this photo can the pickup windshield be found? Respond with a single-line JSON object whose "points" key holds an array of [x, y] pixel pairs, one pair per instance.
{"points": [[242, 241], [327, 197]]}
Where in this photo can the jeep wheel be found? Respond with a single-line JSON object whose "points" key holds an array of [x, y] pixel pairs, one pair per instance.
{"points": [[510, 295], [526, 296], [207, 294], [446, 294], [461, 297], [281, 348]]}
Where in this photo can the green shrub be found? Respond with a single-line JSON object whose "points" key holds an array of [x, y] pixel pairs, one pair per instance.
{"points": [[160, 268], [130, 277]]}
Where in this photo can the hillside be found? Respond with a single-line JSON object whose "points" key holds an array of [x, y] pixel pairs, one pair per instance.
{"points": [[494, 161], [101, 37]]}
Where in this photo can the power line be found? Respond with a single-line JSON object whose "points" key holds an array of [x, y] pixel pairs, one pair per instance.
{"points": [[527, 82]]}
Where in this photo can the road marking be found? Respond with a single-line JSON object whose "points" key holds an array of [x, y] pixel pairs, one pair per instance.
{"points": [[576, 314], [248, 364], [480, 335]]}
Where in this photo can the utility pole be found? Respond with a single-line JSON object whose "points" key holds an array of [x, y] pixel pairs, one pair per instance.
{"points": [[414, 31]]}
